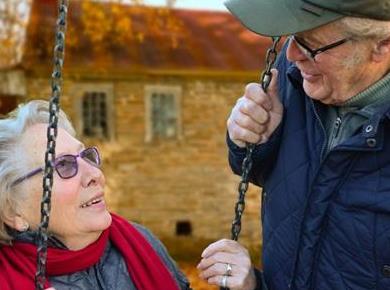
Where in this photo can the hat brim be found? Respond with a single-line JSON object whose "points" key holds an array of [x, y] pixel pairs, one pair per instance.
{"points": [[279, 17]]}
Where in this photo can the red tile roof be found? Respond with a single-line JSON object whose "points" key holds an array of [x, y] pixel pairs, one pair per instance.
{"points": [[198, 41]]}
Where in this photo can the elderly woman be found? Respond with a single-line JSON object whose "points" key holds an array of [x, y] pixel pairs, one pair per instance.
{"points": [[322, 153], [88, 247]]}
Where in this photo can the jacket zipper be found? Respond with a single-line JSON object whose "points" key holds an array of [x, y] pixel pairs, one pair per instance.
{"points": [[337, 126], [290, 285], [335, 133], [323, 131]]}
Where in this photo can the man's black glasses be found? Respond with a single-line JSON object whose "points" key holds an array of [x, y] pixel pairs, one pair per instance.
{"points": [[311, 53]]}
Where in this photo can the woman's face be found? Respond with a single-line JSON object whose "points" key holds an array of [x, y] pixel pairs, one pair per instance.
{"points": [[72, 221]]}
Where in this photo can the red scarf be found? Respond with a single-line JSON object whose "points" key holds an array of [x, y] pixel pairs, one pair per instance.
{"points": [[147, 271]]}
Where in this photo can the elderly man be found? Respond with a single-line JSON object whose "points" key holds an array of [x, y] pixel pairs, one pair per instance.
{"points": [[323, 148]]}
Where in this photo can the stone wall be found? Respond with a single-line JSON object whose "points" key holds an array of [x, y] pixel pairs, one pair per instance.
{"points": [[161, 183], [12, 82]]}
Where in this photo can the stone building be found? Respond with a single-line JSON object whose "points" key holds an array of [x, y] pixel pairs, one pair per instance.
{"points": [[156, 105]]}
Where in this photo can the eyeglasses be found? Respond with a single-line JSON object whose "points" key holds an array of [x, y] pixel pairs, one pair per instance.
{"points": [[66, 165], [311, 53]]}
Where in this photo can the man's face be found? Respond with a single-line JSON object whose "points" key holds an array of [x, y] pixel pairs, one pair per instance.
{"points": [[339, 73]]}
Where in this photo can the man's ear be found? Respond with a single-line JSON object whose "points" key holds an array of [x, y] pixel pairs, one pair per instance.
{"points": [[382, 50]]}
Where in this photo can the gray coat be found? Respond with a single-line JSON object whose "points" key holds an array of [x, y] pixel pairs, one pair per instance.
{"points": [[110, 273]]}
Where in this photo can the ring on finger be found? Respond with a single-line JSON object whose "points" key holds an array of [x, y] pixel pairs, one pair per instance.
{"points": [[229, 269], [224, 281]]}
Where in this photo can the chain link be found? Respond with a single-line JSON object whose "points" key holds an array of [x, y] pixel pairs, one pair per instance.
{"points": [[247, 162], [270, 61], [54, 107]]}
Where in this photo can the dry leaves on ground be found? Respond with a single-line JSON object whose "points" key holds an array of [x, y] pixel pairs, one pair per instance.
{"points": [[193, 276]]}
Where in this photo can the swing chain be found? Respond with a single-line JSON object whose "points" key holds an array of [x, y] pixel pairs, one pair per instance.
{"points": [[247, 162], [54, 107], [270, 61]]}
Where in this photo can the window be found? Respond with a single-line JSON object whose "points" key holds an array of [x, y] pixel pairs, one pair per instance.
{"points": [[183, 228], [162, 113], [94, 113], [164, 117], [7, 104], [94, 109]]}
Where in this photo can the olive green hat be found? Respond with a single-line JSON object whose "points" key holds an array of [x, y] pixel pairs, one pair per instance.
{"points": [[284, 17]]}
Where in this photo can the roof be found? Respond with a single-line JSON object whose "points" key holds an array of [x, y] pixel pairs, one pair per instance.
{"points": [[102, 38]]}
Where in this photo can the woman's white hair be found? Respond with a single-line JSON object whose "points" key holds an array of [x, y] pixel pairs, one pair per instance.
{"points": [[11, 131]]}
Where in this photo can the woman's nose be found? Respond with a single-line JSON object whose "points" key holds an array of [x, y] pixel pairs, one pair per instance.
{"points": [[90, 174]]}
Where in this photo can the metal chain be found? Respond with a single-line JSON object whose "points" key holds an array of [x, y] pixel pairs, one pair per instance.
{"points": [[247, 162], [54, 107], [270, 61]]}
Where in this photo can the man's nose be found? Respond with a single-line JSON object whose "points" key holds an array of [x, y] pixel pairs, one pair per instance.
{"points": [[294, 53]]}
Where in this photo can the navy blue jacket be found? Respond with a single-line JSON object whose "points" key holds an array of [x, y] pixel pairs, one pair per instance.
{"points": [[326, 216]]}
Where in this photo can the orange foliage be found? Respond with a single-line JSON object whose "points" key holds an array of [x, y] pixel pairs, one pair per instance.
{"points": [[99, 25], [13, 21], [192, 275], [116, 24]]}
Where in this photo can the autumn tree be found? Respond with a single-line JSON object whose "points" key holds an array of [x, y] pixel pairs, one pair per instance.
{"points": [[103, 22], [13, 20], [111, 24]]}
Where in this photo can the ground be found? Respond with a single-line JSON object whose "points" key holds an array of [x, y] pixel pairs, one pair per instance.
{"points": [[193, 276]]}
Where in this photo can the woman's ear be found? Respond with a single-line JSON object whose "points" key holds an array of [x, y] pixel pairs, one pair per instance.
{"points": [[15, 221]]}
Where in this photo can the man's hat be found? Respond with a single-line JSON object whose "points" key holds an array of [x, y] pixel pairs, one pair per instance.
{"points": [[284, 17]]}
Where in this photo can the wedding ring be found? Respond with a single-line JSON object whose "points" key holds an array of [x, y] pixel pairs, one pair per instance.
{"points": [[228, 270], [224, 281]]}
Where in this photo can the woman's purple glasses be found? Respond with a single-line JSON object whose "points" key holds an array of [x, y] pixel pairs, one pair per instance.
{"points": [[66, 165]]}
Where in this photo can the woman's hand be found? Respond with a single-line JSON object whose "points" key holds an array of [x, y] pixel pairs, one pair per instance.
{"points": [[214, 266]]}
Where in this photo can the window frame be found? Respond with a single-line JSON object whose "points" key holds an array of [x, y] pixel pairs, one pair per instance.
{"points": [[176, 92], [79, 91]]}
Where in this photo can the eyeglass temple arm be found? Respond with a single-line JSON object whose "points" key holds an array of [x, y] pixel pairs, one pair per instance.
{"points": [[23, 178], [329, 46]]}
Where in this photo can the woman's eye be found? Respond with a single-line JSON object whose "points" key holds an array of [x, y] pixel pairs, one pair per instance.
{"points": [[62, 163]]}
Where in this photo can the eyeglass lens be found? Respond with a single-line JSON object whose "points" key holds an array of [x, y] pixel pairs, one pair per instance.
{"points": [[313, 52], [91, 155], [303, 47], [67, 167]]}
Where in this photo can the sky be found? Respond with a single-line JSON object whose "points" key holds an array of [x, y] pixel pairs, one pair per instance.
{"points": [[193, 4]]}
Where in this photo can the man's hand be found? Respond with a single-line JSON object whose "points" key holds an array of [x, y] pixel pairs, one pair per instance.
{"points": [[256, 115]]}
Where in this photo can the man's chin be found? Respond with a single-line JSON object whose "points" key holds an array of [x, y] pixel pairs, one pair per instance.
{"points": [[317, 93]]}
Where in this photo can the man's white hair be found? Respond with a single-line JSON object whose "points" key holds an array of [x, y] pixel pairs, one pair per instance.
{"points": [[362, 28], [365, 28]]}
